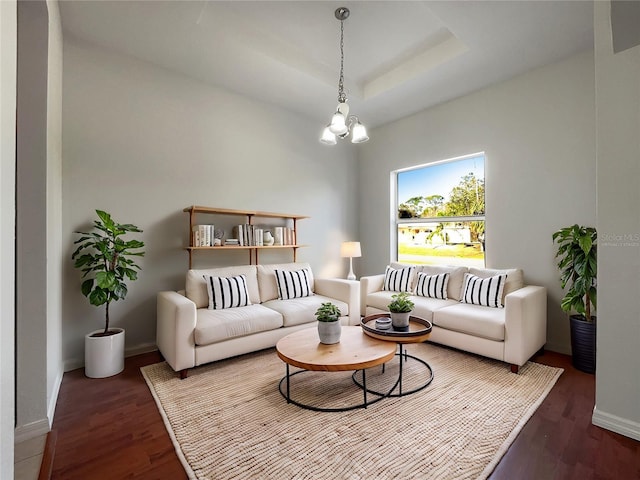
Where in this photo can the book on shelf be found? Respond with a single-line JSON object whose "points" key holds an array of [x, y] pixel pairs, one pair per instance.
{"points": [[202, 236]]}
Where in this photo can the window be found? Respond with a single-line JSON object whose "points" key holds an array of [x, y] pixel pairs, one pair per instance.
{"points": [[440, 212]]}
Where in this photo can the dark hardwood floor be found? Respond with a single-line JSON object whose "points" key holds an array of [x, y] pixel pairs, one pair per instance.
{"points": [[111, 429]]}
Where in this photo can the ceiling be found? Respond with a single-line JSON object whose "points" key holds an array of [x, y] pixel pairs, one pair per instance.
{"points": [[400, 57]]}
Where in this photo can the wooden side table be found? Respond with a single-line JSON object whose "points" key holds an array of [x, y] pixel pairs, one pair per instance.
{"points": [[419, 331]]}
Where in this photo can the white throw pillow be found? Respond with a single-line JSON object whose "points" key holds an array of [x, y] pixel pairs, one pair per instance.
{"points": [[483, 291], [432, 286], [398, 280], [293, 284], [227, 292]]}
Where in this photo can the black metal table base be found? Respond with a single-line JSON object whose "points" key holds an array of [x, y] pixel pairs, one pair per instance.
{"points": [[285, 386], [366, 401], [403, 356]]}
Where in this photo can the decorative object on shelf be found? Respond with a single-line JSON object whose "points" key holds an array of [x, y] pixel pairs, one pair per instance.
{"points": [[268, 238], [104, 257], [218, 236], [578, 265], [329, 328], [342, 123], [400, 307], [350, 249]]}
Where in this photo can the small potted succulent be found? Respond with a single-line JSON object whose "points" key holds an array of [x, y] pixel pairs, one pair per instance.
{"points": [[329, 328], [400, 307]]}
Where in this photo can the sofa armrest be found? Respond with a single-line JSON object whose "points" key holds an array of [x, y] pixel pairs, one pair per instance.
{"points": [[347, 291], [369, 284], [525, 323], [175, 323]]}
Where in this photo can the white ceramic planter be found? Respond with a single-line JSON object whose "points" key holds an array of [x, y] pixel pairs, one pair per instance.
{"points": [[104, 356], [329, 332], [400, 321]]}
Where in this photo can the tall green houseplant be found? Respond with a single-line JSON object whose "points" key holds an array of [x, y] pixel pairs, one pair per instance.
{"points": [[105, 257], [577, 262]]}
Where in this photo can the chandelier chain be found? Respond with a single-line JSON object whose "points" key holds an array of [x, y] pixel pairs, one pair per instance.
{"points": [[342, 98]]}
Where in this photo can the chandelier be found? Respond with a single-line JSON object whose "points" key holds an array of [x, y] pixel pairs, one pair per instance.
{"points": [[342, 124]]}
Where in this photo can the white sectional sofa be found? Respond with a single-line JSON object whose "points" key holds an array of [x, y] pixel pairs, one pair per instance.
{"points": [[190, 334], [512, 334]]}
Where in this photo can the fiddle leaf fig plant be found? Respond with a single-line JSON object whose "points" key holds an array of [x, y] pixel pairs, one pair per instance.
{"points": [[578, 265], [328, 312], [105, 258], [401, 303]]}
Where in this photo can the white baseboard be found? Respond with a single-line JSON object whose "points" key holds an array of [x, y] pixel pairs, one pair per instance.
{"points": [[51, 408], [31, 430], [75, 363], [559, 348], [620, 425], [140, 349]]}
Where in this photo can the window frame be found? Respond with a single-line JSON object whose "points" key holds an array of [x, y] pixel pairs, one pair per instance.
{"points": [[397, 222]]}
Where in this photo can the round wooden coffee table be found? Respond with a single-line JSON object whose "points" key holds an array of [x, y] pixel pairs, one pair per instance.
{"points": [[355, 351]]}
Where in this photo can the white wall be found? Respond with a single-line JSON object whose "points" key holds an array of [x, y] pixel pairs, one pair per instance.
{"points": [[618, 154], [143, 143], [8, 49], [537, 131], [31, 201], [54, 209]]}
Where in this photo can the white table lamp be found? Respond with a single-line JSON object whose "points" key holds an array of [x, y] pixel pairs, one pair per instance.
{"points": [[350, 249]]}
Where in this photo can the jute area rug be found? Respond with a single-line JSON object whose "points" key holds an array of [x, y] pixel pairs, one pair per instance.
{"points": [[228, 420]]}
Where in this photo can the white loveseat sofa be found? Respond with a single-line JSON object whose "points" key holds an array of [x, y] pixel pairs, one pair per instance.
{"points": [[190, 334], [512, 334]]}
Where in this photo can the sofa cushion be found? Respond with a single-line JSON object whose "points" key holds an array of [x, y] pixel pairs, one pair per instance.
{"points": [[423, 306], [293, 284], [485, 322], [196, 287], [432, 286], [267, 284], [515, 278], [483, 291], [302, 310], [399, 280], [214, 326], [227, 292], [456, 278]]}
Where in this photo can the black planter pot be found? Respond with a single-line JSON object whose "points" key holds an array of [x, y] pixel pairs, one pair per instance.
{"points": [[583, 343]]}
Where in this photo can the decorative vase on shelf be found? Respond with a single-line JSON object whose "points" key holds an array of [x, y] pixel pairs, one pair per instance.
{"points": [[268, 238]]}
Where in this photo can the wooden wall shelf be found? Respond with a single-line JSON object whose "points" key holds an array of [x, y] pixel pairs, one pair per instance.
{"points": [[249, 216]]}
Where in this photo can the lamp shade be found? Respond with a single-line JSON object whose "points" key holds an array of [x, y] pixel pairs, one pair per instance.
{"points": [[328, 137], [350, 249], [358, 133], [338, 124]]}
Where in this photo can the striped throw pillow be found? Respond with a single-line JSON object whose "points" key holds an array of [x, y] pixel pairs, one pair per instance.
{"points": [[432, 286], [398, 280], [227, 292], [483, 291], [293, 284]]}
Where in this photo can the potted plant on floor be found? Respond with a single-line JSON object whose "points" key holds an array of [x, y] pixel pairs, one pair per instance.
{"points": [[400, 307], [105, 258], [577, 254], [329, 328]]}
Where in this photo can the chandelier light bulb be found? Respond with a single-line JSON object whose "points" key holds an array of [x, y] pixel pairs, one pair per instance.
{"points": [[358, 132], [338, 124], [328, 138]]}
